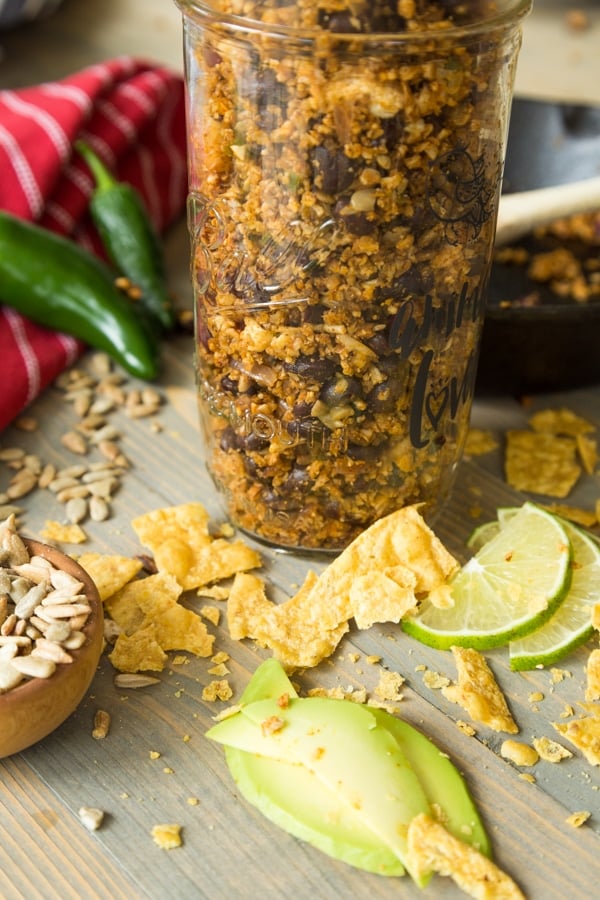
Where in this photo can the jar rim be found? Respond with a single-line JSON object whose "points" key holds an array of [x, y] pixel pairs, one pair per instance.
{"points": [[507, 16]]}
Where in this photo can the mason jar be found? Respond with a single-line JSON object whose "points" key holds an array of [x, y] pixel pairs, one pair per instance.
{"points": [[345, 164]]}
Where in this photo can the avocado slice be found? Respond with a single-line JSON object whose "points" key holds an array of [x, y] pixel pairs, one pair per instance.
{"points": [[374, 779], [292, 798], [280, 781], [442, 782], [289, 796]]}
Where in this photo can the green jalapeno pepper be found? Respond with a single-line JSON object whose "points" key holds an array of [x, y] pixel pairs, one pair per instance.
{"points": [[60, 285], [129, 238]]}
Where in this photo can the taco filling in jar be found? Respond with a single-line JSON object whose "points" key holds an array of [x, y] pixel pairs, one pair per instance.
{"points": [[343, 196]]}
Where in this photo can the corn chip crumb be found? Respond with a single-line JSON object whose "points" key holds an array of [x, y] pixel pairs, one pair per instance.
{"points": [[389, 686], [558, 675], [211, 614], [465, 727], [527, 776], [577, 819], [551, 751], [217, 690], [518, 753], [435, 680], [477, 691], [432, 848], [167, 837]]}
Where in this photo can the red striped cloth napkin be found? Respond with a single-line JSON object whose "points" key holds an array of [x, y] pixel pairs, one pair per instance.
{"points": [[132, 113]]}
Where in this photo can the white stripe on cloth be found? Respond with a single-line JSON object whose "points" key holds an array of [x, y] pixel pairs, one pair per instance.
{"points": [[144, 101], [42, 119], [23, 171], [60, 215], [30, 360], [70, 347], [117, 118], [100, 147], [69, 92]]}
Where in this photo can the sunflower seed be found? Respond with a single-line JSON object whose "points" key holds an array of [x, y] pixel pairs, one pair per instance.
{"points": [[127, 680], [76, 509], [27, 604], [71, 493], [20, 640], [22, 487], [74, 442], [61, 611], [91, 817], [9, 454], [101, 725], [62, 482], [42, 613], [99, 509], [9, 676], [47, 475], [34, 666], [75, 640], [45, 649]]}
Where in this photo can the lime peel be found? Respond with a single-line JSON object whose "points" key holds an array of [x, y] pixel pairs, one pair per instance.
{"points": [[571, 624]]}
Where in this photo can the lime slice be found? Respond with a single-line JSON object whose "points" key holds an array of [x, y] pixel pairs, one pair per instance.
{"points": [[511, 587], [571, 624], [482, 534]]}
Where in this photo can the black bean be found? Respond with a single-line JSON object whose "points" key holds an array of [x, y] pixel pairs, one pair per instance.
{"points": [[342, 22], [378, 343], [254, 443], [335, 169], [393, 129], [384, 396], [360, 223], [301, 411], [229, 440], [229, 385], [415, 282], [365, 452], [313, 314], [340, 391], [314, 367], [298, 479]]}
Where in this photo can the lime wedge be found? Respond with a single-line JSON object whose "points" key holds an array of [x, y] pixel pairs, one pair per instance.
{"points": [[511, 587], [571, 624], [482, 534]]}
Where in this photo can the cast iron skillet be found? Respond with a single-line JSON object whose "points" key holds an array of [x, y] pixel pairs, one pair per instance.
{"points": [[554, 345]]}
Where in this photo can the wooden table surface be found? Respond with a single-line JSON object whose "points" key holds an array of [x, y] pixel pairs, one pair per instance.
{"points": [[229, 850]]}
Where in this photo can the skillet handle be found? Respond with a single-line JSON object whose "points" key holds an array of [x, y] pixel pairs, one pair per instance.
{"points": [[521, 212]]}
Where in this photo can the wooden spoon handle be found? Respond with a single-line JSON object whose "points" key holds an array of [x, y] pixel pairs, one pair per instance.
{"points": [[521, 212]]}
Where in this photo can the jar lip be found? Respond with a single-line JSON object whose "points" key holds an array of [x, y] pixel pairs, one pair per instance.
{"points": [[507, 16]]}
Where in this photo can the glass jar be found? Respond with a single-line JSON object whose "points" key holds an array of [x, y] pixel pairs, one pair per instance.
{"points": [[345, 163]]}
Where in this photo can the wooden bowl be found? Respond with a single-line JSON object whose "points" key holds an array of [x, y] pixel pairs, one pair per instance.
{"points": [[33, 709]]}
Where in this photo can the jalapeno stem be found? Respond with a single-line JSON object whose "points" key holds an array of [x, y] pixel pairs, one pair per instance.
{"points": [[129, 238]]}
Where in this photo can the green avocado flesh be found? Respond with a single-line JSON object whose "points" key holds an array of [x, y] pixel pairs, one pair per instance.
{"points": [[343, 777]]}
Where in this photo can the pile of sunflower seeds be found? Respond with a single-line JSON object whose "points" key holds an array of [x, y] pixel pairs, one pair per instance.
{"points": [[43, 611], [86, 487]]}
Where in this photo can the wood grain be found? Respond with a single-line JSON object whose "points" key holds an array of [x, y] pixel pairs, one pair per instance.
{"points": [[229, 850]]}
